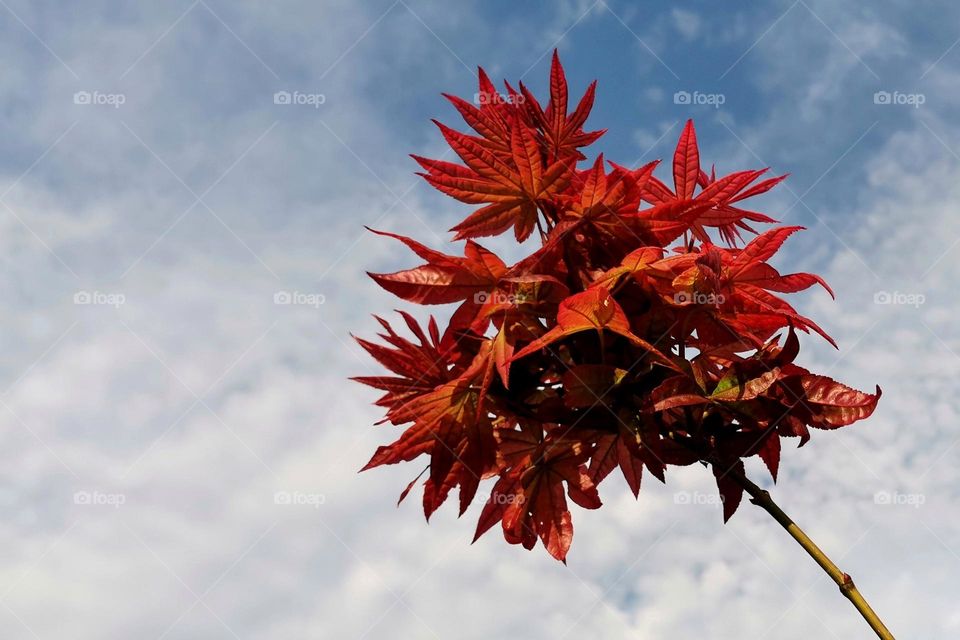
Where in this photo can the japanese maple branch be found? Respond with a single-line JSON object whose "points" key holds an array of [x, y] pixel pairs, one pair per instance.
{"points": [[762, 498]]}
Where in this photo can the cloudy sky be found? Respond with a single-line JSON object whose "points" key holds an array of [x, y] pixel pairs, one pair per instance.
{"points": [[155, 400]]}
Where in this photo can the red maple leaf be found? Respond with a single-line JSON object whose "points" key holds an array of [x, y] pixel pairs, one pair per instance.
{"points": [[719, 195]]}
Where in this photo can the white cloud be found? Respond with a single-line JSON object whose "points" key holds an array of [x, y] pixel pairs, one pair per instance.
{"points": [[686, 22]]}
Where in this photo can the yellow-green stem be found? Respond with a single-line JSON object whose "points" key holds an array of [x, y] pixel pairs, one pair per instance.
{"points": [[762, 499]]}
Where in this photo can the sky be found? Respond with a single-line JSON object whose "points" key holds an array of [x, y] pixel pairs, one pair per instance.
{"points": [[183, 262]]}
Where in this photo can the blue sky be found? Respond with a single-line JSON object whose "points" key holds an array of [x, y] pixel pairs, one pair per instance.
{"points": [[155, 399]]}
